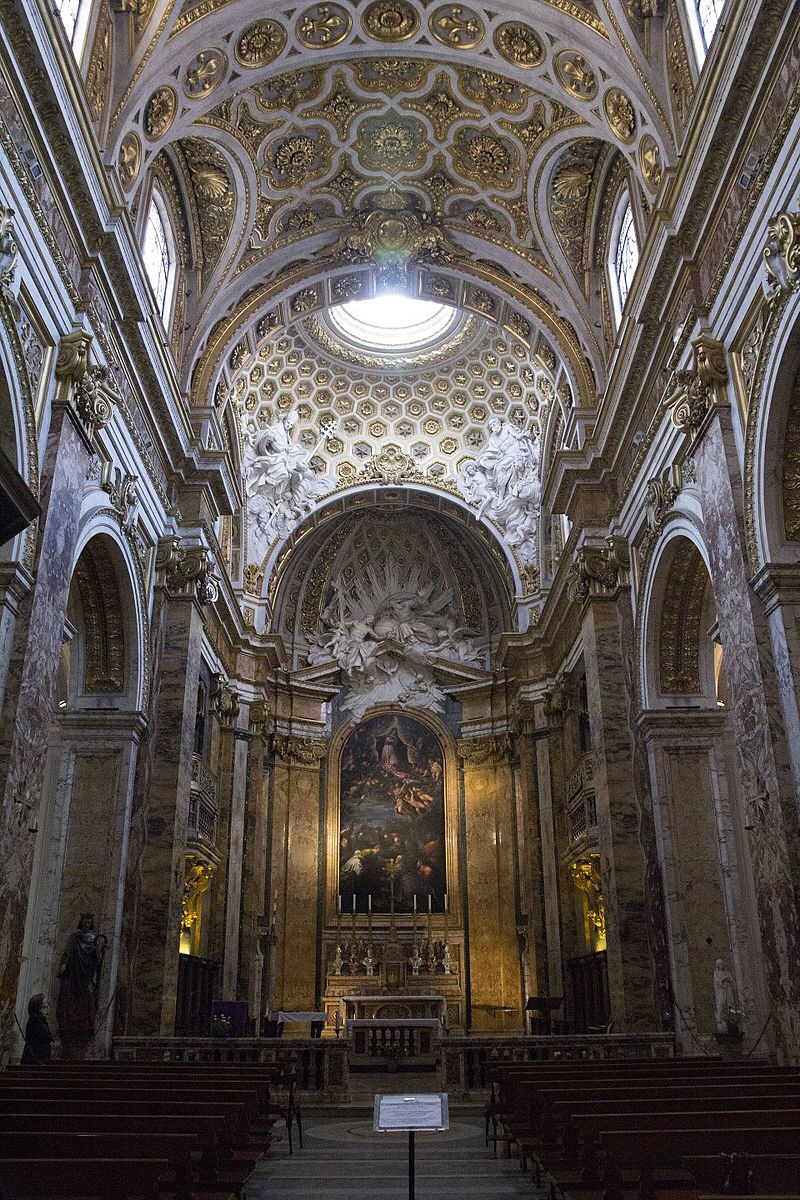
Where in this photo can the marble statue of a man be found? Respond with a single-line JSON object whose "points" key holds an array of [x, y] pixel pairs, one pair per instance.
{"points": [[280, 482], [724, 995], [503, 484]]}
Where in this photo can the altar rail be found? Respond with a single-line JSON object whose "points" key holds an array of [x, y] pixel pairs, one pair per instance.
{"points": [[467, 1060], [319, 1066]]}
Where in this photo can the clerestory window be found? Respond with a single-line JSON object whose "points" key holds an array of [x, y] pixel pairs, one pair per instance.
{"points": [[75, 19], [704, 17], [158, 253], [623, 254]]}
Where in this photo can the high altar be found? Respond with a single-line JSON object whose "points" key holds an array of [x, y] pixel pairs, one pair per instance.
{"points": [[403, 865]]}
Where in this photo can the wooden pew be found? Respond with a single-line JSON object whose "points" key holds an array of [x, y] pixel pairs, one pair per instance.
{"points": [[104, 1179], [767, 1174], [647, 1150]]}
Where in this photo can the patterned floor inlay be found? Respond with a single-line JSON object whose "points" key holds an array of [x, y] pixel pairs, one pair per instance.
{"points": [[344, 1159]]}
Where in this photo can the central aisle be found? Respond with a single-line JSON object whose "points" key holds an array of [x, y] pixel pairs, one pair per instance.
{"points": [[343, 1159]]}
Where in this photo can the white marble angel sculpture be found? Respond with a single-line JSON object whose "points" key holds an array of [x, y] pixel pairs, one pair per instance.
{"points": [[503, 484], [280, 482]]}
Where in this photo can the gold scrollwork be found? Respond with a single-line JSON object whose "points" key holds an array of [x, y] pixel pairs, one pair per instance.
{"points": [[204, 73], [575, 74], [457, 26], [620, 114], [519, 44], [323, 25], [260, 44], [650, 162], [159, 112], [485, 751], [302, 751], [129, 159], [390, 20]]}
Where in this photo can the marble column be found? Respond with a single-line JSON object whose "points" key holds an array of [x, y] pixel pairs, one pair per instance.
{"points": [[530, 859], [231, 741], [605, 650], [758, 721], [295, 872], [494, 959], [255, 904], [36, 644], [709, 897], [163, 786]]}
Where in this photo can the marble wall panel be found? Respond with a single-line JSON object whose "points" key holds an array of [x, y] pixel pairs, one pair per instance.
{"points": [[31, 685], [554, 973], [297, 811], [494, 960], [771, 806], [255, 870], [233, 904]]}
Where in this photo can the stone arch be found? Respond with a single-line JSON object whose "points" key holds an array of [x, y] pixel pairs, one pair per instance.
{"points": [[681, 662], [772, 451], [108, 626]]}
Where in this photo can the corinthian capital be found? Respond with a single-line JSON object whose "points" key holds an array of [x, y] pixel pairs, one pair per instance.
{"points": [[484, 751], [93, 394], [599, 570], [782, 252], [302, 751], [696, 392], [186, 570]]}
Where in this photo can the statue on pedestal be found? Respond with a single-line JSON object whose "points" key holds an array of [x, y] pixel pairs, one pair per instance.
{"points": [[416, 960], [79, 972], [447, 961], [726, 1010], [369, 961]]}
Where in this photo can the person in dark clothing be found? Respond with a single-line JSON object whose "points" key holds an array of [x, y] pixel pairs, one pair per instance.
{"points": [[38, 1037]]}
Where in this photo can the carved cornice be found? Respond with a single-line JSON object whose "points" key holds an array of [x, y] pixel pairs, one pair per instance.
{"points": [[123, 493], [8, 253], [485, 751], [661, 495], [186, 571], [224, 699], [696, 392], [782, 252], [300, 751], [599, 571]]}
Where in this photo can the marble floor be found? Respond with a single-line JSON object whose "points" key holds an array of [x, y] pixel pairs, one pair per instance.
{"points": [[344, 1159]]}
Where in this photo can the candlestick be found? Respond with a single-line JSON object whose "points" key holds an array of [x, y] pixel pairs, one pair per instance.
{"points": [[369, 902], [429, 902], [415, 903], [354, 902], [445, 918]]}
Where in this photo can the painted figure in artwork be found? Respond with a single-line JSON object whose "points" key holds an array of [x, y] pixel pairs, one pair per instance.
{"points": [[392, 815], [79, 972]]}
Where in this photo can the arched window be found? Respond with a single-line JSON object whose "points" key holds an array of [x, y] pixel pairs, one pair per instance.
{"points": [[75, 19], [158, 253], [703, 17], [623, 253]]}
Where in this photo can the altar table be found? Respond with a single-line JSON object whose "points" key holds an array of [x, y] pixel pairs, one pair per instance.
{"points": [[395, 1008]]}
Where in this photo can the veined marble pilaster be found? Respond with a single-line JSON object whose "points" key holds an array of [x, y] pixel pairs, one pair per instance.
{"points": [[295, 867], [31, 680], [256, 905], [770, 800], [163, 799], [15, 584], [605, 651], [778, 587], [553, 983], [529, 858], [709, 898], [494, 959]]}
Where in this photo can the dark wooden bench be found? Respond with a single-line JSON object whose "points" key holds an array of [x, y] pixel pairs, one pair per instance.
{"points": [[103, 1179], [766, 1173]]}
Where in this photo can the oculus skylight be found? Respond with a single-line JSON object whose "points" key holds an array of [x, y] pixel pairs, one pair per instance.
{"points": [[391, 322]]}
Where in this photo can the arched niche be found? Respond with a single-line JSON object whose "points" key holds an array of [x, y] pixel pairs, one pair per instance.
{"points": [[420, 733], [102, 656], [683, 663]]}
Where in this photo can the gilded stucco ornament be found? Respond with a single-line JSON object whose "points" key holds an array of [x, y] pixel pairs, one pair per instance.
{"points": [[391, 144], [93, 393], [297, 157], [323, 25], [300, 751], [650, 162], [457, 26], [129, 159], [519, 44], [159, 113], [9, 253], [204, 74], [696, 392], [575, 74], [485, 751], [486, 158], [260, 719], [390, 20], [224, 699], [620, 114], [260, 44], [782, 252]]}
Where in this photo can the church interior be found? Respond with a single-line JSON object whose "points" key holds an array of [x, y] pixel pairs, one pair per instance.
{"points": [[400, 520]]}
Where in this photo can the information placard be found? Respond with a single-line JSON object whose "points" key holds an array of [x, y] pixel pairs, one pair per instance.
{"points": [[411, 1114]]}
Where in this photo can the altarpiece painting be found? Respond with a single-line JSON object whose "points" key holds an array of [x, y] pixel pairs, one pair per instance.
{"points": [[391, 811]]}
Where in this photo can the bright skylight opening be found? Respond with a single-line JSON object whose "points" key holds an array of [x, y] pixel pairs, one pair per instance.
{"points": [[392, 322]]}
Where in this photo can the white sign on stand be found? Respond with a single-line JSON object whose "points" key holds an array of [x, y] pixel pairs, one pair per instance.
{"points": [[426, 1113]]}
